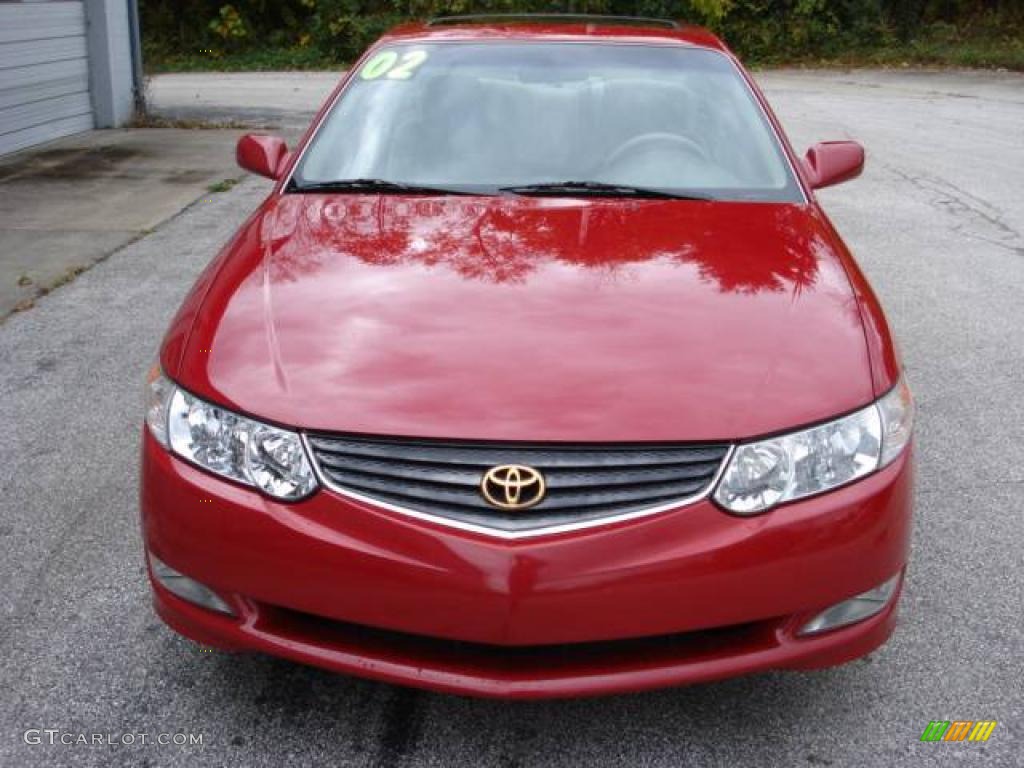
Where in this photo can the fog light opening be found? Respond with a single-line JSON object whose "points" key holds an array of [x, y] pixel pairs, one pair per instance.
{"points": [[863, 606], [187, 589]]}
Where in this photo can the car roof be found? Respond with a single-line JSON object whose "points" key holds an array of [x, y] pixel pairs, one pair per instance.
{"points": [[554, 27]]}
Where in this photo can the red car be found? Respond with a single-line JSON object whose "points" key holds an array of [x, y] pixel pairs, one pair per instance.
{"points": [[540, 372]]}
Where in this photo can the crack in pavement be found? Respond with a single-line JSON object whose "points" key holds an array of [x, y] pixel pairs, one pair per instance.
{"points": [[973, 212], [402, 719]]}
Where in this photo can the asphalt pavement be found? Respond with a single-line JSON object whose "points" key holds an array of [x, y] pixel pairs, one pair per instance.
{"points": [[937, 223]]}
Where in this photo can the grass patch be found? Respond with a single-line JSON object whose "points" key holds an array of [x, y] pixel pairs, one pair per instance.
{"points": [[939, 45], [261, 60], [222, 186], [975, 54], [157, 121], [1002, 54], [64, 278]]}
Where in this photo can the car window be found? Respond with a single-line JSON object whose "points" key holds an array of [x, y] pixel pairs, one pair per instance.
{"points": [[483, 116]]}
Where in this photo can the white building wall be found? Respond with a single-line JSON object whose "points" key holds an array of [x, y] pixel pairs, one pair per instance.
{"points": [[110, 62]]}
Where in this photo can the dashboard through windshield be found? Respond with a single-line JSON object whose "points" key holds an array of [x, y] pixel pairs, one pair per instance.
{"points": [[480, 118]]}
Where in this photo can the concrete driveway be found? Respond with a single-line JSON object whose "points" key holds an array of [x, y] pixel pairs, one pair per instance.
{"points": [[937, 223], [70, 203], [284, 101]]}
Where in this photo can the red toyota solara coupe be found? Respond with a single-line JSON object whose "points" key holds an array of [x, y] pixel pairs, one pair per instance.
{"points": [[540, 372]]}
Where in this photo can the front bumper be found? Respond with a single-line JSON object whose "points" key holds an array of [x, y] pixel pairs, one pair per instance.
{"points": [[680, 597]]}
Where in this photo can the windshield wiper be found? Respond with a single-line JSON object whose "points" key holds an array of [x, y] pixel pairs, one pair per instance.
{"points": [[373, 185], [597, 188]]}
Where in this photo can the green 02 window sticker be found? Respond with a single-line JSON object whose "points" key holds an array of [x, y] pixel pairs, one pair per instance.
{"points": [[391, 65]]}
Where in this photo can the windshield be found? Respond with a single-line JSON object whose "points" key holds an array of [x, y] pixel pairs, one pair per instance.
{"points": [[481, 117]]}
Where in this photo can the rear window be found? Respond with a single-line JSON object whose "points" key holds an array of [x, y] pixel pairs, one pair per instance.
{"points": [[484, 116]]}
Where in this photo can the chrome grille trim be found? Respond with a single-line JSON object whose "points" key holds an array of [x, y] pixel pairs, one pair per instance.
{"points": [[445, 492]]}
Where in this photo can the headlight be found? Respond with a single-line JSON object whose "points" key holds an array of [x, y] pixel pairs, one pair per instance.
{"points": [[769, 472], [228, 444]]}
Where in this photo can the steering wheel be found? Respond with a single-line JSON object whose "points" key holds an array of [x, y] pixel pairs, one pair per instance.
{"points": [[647, 140]]}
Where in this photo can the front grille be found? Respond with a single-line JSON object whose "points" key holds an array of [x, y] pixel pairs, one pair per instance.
{"points": [[585, 483], [543, 660]]}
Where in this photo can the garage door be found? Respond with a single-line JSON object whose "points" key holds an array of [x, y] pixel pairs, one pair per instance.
{"points": [[44, 74]]}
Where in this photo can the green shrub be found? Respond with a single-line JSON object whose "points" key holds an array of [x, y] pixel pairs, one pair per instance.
{"points": [[336, 31]]}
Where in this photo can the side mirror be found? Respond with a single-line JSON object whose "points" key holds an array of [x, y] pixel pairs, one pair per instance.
{"points": [[833, 162], [264, 155]]}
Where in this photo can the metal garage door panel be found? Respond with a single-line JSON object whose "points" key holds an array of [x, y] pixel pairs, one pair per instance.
{"points": [[12, 142], [35, 21], [41, 81], [44, 73], [28, 52], [43, 111]]}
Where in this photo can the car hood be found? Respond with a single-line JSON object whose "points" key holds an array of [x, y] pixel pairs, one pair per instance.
{"points": [[531, 319]]}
